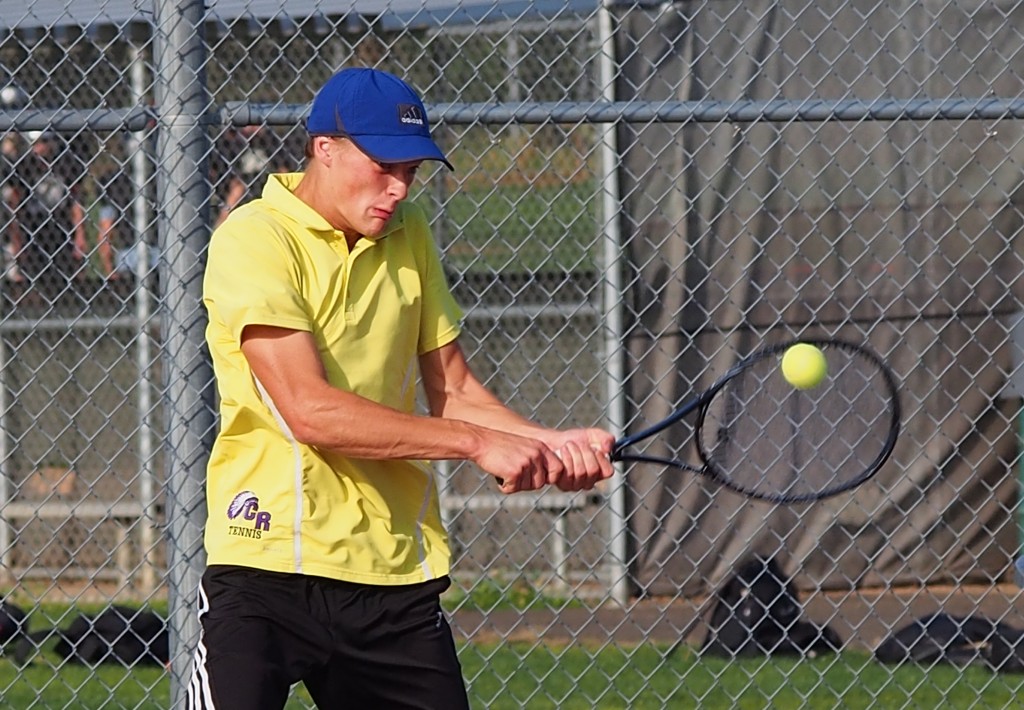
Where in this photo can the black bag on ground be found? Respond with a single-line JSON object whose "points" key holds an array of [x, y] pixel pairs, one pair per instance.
{"points": [[12, 621], [958, 640], [757, 613], [116, 635]]}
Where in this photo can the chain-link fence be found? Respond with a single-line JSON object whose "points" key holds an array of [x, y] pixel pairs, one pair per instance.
{"points": [[643, 192]]}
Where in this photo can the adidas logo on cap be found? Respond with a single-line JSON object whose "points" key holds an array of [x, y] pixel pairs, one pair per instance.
{"points": [[410, 113]]}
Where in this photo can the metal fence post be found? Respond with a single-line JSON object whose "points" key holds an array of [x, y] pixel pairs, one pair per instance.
{"points": [[183, 146]]}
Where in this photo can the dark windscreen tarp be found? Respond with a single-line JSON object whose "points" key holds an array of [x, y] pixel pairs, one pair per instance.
{"points": [[902, 234]]}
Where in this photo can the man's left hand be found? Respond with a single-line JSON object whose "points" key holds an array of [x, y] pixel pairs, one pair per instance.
{"points": [[585, 455]]}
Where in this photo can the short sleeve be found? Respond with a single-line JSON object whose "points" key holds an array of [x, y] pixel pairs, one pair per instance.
{"points": [[252, 278], [440, 321]]}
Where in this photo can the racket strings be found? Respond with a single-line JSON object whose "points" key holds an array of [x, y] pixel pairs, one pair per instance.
{"points": [[761, 435]]}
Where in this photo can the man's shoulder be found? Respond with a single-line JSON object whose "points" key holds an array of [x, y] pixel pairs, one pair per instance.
{"points": [[262, 232], [411, 210], [257, 217], [409, 220]]}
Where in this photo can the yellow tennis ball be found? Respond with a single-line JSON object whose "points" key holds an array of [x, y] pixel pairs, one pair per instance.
{"points": [[803, 366]]}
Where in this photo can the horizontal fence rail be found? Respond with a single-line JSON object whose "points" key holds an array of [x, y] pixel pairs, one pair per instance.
{"points": [[773, 111]]}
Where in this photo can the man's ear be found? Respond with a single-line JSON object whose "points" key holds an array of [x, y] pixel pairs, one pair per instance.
{"points": [[322, 148]]}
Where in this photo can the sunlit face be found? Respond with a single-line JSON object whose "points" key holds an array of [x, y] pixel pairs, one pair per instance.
{"points": [[363, 193]]}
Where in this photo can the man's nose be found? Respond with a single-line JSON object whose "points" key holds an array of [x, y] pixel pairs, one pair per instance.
{"points": [[399, 189]]}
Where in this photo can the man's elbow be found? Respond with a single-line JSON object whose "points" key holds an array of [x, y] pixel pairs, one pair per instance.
{"points": [[303, 427], [298, 422]]}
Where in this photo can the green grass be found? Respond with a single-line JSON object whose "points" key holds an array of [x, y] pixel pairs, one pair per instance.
{"points": [[520, 675], [521, 227], [520, 200], [516, 675], [42, 686], [492, 593]]}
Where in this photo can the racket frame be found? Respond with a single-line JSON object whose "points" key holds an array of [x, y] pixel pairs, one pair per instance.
{"points": [[701, 402]]}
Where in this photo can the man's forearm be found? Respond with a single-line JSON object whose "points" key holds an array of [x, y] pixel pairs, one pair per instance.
{"points": [[360, 428], [476, 405]]}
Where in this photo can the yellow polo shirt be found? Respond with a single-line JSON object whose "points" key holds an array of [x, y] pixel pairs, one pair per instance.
{"points": [[275, 503]]}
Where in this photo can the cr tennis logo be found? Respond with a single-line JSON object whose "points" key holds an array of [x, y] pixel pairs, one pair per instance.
{"points": [[410, 113], [246, 507]]}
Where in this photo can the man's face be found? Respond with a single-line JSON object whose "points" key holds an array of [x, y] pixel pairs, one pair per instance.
{"points": [[366, 192], [44, 146]]}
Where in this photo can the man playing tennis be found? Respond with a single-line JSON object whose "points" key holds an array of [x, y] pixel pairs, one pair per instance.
{"points": [[327, 555]]}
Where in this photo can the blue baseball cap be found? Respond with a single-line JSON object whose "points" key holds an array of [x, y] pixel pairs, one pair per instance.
{"points": [[378, 112]]}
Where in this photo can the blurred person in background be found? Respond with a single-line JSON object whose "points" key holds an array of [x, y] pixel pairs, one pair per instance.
{"points": [[118, 234], [114, 227], [47, 230], [243, 159], [12, 149]]}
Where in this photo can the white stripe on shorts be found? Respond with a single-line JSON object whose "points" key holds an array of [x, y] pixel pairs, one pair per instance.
{"points": [[199, 696]]}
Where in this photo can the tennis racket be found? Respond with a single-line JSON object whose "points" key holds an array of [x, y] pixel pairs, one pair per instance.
{"points": [[760, 436]]}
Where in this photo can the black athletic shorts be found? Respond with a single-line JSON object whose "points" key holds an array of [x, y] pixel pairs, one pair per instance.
{"points": [[352, 645]]}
